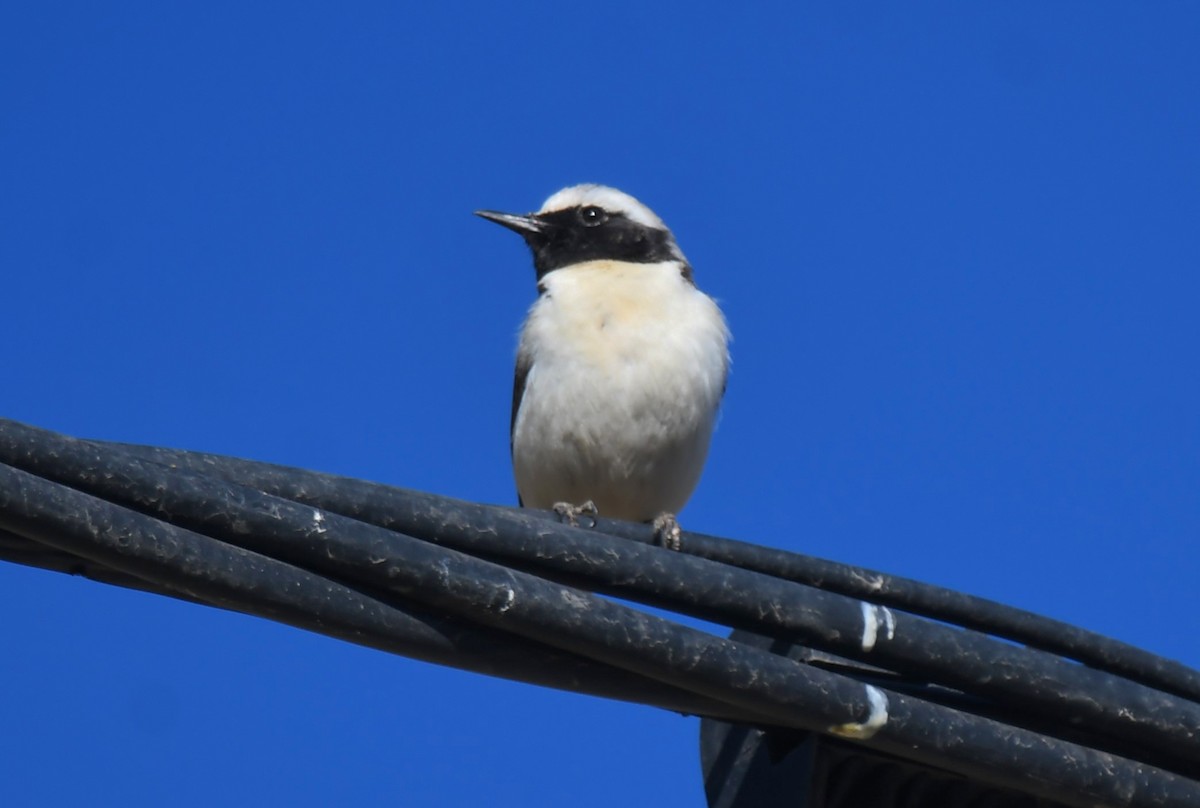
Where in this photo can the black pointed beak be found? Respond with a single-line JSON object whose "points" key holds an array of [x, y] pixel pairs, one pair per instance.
{"points": [[525, 225]]}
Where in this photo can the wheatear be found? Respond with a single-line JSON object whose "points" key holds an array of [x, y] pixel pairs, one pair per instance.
{"points": [[621, 363]]}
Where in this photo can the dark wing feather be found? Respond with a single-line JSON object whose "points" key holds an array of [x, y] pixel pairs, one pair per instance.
{"points": [[524, 363]]}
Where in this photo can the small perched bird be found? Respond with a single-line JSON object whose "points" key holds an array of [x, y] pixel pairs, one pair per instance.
{"points": [[621, 363]]}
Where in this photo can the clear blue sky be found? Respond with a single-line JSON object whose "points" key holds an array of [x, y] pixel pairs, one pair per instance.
{"points": [[958, 249]]}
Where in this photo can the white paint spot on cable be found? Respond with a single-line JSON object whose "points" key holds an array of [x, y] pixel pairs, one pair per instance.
{"points": [[873, 617], [870, 626], [877, 718], [889, 622], [510, 598]]}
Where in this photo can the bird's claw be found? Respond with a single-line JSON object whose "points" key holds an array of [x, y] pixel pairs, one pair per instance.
{"points": [[569, 514], [667, 531]]}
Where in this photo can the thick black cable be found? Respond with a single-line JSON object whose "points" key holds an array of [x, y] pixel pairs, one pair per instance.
{"points": [[420, 512], [1064, 694], [129, 549], [798, 695]]}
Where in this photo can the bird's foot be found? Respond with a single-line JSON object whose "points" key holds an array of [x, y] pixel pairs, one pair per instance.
{"points": [[569, 514], [667, 531]]}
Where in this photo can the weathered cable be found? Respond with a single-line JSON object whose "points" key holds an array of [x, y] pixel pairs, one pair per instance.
{"points": [[422, 511], [799, 695], [41, 525], [1056, 692], [541, 611]]}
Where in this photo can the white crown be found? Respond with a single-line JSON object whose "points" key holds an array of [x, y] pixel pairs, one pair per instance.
{"points": [[610, 199]]}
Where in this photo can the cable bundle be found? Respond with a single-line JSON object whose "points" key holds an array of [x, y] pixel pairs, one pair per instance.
{"points": [[513, 593]]}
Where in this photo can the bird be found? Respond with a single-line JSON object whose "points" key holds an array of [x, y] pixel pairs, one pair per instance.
{"points": [[621, 363]]}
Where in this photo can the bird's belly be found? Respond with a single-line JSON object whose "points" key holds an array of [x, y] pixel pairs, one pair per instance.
{"points": [[625, 478], [630, 434], [627, 370]]}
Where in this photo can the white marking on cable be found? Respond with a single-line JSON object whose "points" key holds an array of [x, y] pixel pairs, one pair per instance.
{"points": [[510, 598], [872, 617], [889, 621], [877, 718], [870, 625]]}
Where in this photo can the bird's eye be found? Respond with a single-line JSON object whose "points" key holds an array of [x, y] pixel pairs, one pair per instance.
{"points": [[592, 216]]}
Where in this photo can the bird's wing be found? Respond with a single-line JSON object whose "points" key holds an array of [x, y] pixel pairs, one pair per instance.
{"points": [[524, 364]]}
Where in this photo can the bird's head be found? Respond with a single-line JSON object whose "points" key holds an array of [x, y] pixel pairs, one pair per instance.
{"points": [[590, 223]]}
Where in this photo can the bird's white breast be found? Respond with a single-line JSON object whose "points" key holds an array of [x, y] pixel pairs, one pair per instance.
{"points": [[628, 364]]}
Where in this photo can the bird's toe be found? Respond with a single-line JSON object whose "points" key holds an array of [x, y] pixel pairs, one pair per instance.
{"points": [[569, 513], [667, 531]]}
